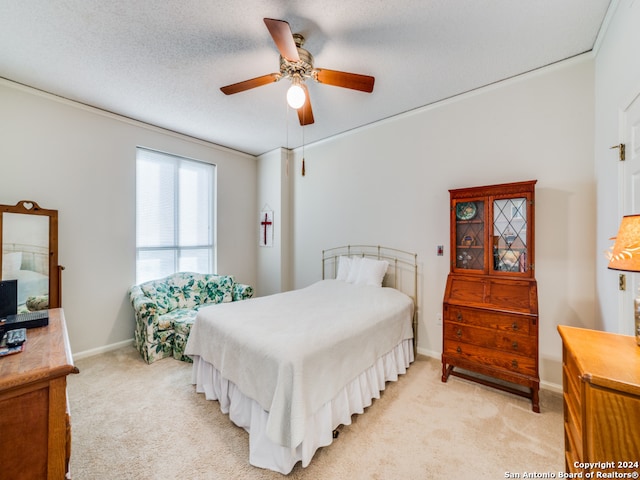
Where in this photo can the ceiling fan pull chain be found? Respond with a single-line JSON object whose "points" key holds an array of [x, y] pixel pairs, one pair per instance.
{"points": [[303, 169]]}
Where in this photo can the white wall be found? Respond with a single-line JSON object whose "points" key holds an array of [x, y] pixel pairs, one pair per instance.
{"points": [[617, 80], [81, 162], [273, 194], [388, 184]]}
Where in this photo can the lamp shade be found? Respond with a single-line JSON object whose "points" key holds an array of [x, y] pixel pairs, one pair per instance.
{"points": [[626, 249], [295, 96]]}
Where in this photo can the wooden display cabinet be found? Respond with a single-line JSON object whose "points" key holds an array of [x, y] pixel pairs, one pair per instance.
{"points": [[490, 307]]}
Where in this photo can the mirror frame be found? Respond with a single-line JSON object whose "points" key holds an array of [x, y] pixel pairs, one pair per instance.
{"points": [[29, 207]]}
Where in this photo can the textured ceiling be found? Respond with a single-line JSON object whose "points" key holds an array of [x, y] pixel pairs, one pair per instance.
{"points": [[163, 62]]}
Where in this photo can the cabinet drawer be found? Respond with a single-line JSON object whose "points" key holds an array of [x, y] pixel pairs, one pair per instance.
{"points": [[572, 378], [491, 357], [500, 321], [571, 461], [571, 386], [572, 393], [611, 429], [572, 431], [503, 340]]}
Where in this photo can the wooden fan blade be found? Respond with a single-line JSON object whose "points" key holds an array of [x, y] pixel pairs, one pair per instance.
{"points": [[249, 84], [281, 33], [355, 81], [305, 113]]}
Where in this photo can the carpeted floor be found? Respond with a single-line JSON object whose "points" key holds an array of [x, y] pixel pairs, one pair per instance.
{"points": [[131, 420]]}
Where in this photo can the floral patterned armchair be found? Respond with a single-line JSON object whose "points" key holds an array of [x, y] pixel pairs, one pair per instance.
{"points": [[166, 308]]}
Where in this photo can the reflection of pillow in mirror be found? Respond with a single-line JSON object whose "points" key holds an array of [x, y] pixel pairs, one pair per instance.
{"points": [[11, 262]]}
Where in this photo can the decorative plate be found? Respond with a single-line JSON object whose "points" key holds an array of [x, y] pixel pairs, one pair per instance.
{"points": [[466, 210]]}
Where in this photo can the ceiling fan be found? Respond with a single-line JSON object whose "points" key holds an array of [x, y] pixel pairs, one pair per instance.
{"points": [[296, 64]]}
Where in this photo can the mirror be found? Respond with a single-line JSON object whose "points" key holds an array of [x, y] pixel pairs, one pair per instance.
{"points": [[29, 238]]}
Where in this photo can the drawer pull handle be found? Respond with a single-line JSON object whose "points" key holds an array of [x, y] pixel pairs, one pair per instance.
{"points": [[514, 363], [459, 333], [514, 326], [459, 316], [459, 350], [515, 345]]}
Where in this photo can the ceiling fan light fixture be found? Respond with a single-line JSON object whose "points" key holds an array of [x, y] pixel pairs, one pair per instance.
{"points": [[296, 64], [296, 96]]}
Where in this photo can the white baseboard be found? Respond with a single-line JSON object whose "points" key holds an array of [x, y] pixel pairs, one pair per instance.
{"points": [[429, 353], [552, 387], [99, 350]]}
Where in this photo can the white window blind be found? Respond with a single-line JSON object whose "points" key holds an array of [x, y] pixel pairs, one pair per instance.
{"points": [[175, 215]]}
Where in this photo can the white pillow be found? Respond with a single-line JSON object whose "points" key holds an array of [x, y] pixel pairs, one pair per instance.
{"points": [[372, 272], [343, 268], [11, 262], [354, 269]]}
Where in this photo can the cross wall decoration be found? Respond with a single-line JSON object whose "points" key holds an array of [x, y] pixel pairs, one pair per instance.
{"points": [[266, 228]]}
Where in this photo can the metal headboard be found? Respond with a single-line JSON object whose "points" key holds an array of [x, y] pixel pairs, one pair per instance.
{"points": [[402, 273]]}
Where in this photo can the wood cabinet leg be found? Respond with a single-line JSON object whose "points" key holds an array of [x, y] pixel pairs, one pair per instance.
{"points": [[535, 399], [446, 371]]}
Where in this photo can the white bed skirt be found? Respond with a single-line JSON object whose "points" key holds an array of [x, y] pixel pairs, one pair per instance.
{"points": [[248, 414]]}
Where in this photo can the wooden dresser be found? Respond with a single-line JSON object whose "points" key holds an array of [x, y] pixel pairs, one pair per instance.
{"points": [[601, 384], [490, 306], [35, 431]]}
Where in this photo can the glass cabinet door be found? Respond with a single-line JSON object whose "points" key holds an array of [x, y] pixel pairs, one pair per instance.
{"points": [[509, 238], [469, 235]]}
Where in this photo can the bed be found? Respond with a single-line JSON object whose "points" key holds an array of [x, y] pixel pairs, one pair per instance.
{"points": [[291, 367]]}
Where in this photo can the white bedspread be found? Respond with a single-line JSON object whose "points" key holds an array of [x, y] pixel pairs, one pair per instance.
{"points": [[292, 352]]}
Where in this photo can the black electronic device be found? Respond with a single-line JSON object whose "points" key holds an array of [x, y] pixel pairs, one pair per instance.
{"points": [[39, 318], [8, 302], [10, 319], [8, 298]]}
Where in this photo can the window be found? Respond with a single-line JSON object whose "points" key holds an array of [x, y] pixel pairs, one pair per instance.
{"points": [[175, 215]]}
